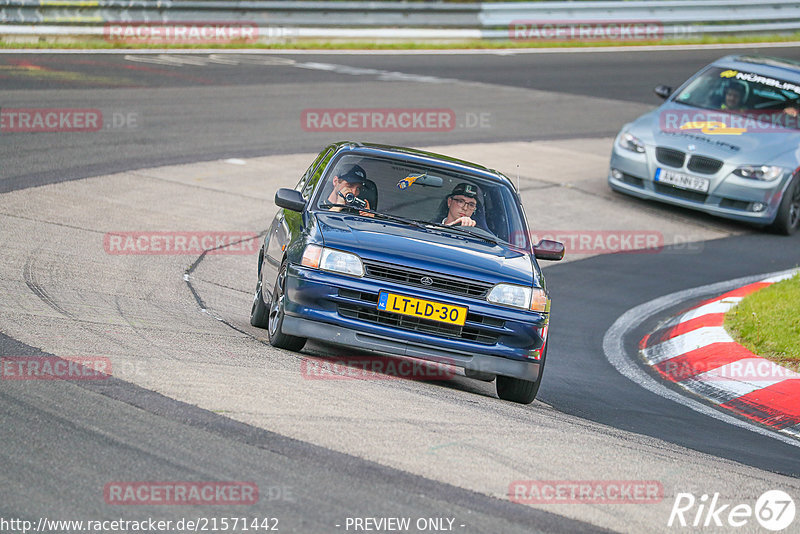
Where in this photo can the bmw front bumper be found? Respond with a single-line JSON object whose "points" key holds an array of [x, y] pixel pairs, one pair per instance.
{"points": [[729, 196]]}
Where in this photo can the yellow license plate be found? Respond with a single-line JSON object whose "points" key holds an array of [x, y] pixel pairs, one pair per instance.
{"points": [[426, 309]]}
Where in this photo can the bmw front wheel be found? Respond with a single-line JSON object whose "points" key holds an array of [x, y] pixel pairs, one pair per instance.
{"points": [[788, 219]]}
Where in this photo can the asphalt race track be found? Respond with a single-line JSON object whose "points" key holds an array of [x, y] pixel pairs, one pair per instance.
{"points": [[200, 142]]}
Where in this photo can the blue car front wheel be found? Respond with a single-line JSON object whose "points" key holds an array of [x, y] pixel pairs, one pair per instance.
{"points": [[520, 390], [276, 313]]}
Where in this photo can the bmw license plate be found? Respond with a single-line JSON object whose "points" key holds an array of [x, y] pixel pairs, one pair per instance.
{"points": [[682, 181], [425, 309]]}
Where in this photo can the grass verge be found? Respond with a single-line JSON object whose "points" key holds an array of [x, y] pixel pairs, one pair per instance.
{"points": [[767, 322]]}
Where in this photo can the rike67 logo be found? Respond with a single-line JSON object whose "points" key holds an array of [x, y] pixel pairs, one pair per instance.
{"points": [[774, 510]]}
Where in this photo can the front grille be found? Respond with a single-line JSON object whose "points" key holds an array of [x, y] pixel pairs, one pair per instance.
{"points": [[680, 193], [670, 156], [704, 165], [444, 283], [362, 306]]}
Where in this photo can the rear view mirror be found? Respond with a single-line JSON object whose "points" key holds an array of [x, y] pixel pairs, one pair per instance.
{"points": [[420, 179], [431, 181], [291, 199], [663, 91], [548, 250]]}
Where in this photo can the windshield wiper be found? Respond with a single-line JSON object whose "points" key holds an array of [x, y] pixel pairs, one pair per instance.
{"points": [[411, 222], [378, 214], [461, 230]]}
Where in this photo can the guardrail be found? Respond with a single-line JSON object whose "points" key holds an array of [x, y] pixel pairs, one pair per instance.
{"points": [[402, 20]]}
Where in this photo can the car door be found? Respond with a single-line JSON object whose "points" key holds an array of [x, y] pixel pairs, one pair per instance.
{"points": [[287, 225]]}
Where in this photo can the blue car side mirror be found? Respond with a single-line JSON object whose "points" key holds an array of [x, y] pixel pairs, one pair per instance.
{"points": [[290, 199]]}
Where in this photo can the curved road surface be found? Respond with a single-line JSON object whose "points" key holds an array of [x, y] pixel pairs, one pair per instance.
{"points": [[201, 396]]}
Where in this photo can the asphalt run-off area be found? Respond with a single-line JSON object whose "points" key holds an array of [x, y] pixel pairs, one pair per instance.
{"points": [[135, 189]]}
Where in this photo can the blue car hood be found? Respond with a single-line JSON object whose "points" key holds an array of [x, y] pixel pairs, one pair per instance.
{"points": [[669, 126], [434, 250]]}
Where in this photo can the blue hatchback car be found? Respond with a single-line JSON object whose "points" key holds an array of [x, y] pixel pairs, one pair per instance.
{"points": [[403, 252]]}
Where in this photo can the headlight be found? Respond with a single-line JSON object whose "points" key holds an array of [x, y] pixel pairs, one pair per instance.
{"points": [[519, 297], [631, 142], [332, 260], [765, 173], [510, 295]]}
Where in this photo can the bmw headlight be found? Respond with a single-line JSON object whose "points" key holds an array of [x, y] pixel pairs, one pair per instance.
{"points": [[329, 259], [630, 142], [519, 297], [765, 173]]}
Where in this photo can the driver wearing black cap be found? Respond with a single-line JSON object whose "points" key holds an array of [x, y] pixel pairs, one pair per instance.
{"points": [[349, 182], [461, 205]]}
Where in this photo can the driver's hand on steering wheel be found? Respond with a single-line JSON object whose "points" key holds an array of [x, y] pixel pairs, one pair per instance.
{"points": [[366, 213], [463, 221]]}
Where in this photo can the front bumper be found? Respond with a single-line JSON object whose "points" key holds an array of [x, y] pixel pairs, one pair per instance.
{"points": [[728, 196], [297, 326], [339, 309]]}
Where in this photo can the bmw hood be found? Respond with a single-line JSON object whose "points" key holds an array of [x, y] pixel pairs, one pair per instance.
{"points": [[431, 249], [750, 139]]}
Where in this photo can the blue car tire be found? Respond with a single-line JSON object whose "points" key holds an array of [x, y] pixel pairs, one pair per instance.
{"points": [[519, 390], [276, 313]]}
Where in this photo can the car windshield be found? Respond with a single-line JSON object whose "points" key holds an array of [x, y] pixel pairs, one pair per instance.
{"points": [[743, 92], [424, 195]]}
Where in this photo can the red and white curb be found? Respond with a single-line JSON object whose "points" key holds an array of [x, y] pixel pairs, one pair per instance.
{"points": [[694, 351]]}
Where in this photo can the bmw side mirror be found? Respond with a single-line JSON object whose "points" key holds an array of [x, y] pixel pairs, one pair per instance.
{"points": [[291, 199], [548, 250], [663, 91]]}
